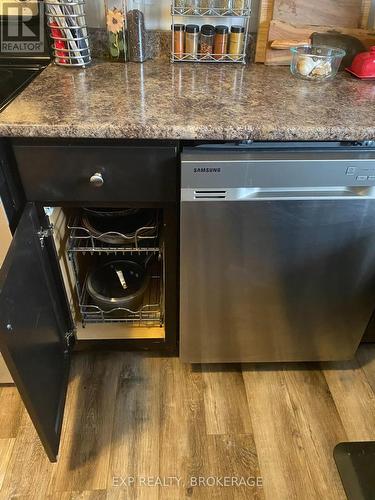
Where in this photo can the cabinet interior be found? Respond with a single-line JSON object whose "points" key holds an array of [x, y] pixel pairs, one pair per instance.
{"points": [[79, 253]]}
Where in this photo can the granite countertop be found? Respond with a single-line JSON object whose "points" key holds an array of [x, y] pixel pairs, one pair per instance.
{"points": [[159, 100]]}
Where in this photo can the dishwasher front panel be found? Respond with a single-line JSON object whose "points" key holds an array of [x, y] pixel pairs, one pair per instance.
{"points": [[275, 280]]}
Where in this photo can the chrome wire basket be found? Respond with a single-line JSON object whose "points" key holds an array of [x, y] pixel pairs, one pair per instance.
{"points": [[68, 31], [143, 241], [149, 314]]}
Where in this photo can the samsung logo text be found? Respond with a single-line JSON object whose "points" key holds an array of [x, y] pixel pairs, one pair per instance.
{"points": [[207, 170]]}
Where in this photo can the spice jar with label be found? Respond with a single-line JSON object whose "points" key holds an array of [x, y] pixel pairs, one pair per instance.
{"points": [[191, 40], [207, 40], [221, 41], [236, 41], [178, 39]]}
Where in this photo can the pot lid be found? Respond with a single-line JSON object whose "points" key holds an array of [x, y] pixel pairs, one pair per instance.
{"points": [[363, 65], [116, 281]]}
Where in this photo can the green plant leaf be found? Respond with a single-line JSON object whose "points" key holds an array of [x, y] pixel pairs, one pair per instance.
{"points": [[114, 51]]}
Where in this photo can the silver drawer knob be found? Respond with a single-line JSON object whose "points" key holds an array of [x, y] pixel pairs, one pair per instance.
{"points": [[97, 180]]}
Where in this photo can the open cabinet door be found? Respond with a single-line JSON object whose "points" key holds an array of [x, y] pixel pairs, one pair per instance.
{"points": [[34, 326]]}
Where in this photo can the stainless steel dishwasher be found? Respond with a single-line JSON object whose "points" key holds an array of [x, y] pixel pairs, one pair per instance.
{"points": [[277, 251]]}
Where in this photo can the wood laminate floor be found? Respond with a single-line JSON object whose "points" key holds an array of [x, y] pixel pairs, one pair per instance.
{"points": [[132, 421]]}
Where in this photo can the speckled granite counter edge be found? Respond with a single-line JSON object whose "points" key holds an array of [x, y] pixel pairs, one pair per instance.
{"points": [[253, 132]]}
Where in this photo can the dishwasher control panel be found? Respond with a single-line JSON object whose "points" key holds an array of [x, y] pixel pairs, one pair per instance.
{"points": [[212, 169], [362, 172]]}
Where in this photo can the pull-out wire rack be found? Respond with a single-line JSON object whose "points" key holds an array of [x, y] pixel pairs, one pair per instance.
{"points": [[143, 246], [149, 314], [144, 240]]}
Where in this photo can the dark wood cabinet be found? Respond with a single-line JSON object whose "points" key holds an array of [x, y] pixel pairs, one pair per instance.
{"points": [[35, 327], [133, 172], [37, 323]]}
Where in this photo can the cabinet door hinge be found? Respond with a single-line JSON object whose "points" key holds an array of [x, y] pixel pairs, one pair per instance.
{"points": [[69, 338], [44, 233]]}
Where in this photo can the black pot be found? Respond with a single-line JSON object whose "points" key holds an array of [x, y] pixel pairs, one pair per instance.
{"points": [[99, 221], [118, 283], [110, 213]]}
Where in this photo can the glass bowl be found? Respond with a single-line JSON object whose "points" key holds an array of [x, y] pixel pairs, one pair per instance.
{"points": [[315, 63]]}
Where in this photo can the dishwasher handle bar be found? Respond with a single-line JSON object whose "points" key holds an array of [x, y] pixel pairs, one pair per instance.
{"points": [[269, 194]]}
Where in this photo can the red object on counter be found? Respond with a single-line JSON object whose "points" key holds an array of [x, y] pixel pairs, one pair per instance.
{"points": [[59, 44], [363, 65]]}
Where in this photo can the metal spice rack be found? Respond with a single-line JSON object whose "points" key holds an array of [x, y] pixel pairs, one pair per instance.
{"points": [[200, 12], [144, 243]]}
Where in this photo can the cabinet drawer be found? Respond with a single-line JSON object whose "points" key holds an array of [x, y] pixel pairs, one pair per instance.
{"points": [[130, 173]]}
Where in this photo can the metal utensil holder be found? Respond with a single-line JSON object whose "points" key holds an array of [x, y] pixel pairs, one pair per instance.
{"points": [[68, 31]]}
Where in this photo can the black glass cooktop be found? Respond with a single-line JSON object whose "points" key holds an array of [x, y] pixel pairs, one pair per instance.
{"points": [[13, 79]]}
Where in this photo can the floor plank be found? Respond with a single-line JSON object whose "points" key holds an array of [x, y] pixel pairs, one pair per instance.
{"points": [[200, 460], [366, 360], [354, 399], [281, 454], [11, 409], [136, 415], [183, 434], [87, 428], [77, 495], [225, 400], [84, 495], [296, 426], [320, 427], [6, 447], [29, 470], [136, 428], [5, 377], [234, 459]]}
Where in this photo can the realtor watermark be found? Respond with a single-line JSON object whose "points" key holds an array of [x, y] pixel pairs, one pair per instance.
{"points": [[192, 482], [22, 27]]}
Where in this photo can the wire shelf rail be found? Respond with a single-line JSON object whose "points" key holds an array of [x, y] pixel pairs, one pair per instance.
{"points": [[212, 12], [144, 240], [149, 314]]}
